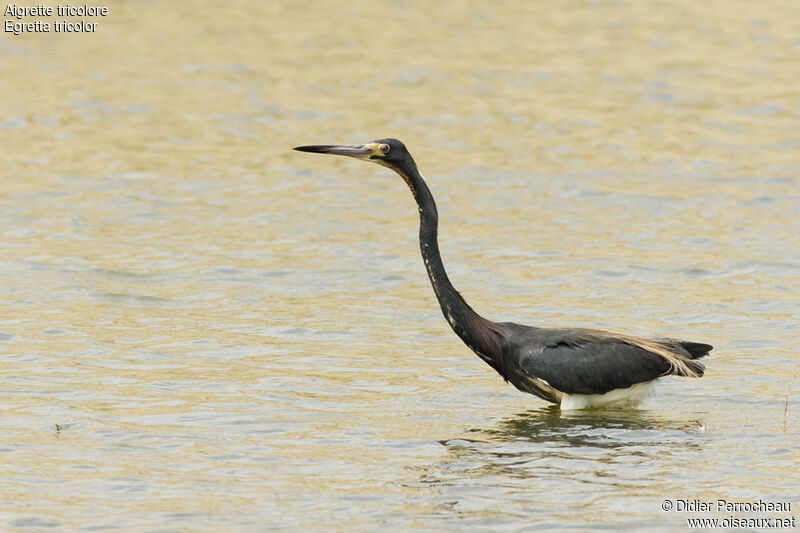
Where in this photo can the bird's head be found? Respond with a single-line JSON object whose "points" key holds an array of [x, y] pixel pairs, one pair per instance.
{"points": [[387, 152]]}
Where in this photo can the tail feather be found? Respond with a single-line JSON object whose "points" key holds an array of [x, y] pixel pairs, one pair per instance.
{"points": [[696, 350], [691, 352]]}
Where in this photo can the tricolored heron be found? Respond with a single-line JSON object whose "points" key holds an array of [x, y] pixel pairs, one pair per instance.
{"points": [[573, 367]]}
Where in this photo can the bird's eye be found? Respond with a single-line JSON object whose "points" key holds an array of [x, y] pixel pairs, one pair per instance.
{"points": [[384, 148]]}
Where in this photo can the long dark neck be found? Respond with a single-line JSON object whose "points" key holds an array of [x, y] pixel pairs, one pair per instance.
{"points": [[483, 336]]}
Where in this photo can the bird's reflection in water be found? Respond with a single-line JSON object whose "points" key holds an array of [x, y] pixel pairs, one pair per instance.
{"points": [[589, 445], [602, 428]]}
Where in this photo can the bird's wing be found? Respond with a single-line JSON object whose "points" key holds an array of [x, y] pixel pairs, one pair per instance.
{"points": [[580, 365]]}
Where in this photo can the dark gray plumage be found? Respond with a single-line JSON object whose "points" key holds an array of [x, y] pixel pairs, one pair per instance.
{"points": [[592, 362]]}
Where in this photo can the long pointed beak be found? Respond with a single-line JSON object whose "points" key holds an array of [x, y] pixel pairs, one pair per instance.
{"points": [[359, 151]]}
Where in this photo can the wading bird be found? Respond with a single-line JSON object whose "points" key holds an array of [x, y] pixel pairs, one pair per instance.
{"points": [[575, 368]]}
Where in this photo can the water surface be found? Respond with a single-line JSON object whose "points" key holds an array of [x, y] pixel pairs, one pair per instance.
{"points": [[202, 330]]}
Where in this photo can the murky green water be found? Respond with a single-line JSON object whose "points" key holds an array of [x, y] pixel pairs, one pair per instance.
{"points": [[201, 330]]}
